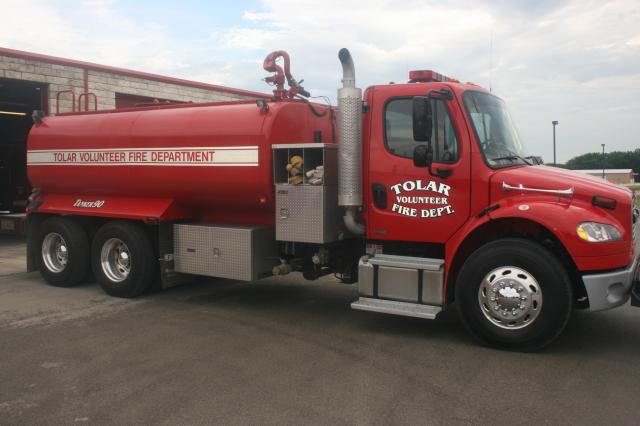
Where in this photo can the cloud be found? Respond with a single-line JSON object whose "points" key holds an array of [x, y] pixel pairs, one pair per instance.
{"points": [[577, 62], [574, 61]]}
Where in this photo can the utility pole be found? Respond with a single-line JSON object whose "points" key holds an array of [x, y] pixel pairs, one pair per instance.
{"points": [[554, 123], [603, 157]]}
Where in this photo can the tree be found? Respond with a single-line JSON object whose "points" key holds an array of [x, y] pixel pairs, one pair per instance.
{"points": [[611, 160]]}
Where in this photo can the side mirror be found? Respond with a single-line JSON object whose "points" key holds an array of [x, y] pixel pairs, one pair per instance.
{"points": [[422, 156], [422, 118]]}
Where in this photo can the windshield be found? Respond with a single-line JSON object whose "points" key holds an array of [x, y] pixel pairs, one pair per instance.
{"points": [[494, 129]]}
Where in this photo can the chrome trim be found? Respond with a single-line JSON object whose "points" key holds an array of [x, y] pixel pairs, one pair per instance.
{"points": [[520, 187], [610, 289], [396, 308], [55, 253], [510, 298], [115, 260]]}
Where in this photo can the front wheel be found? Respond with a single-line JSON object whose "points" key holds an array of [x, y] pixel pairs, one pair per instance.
{"points": [[123, 260], [514, 294]]}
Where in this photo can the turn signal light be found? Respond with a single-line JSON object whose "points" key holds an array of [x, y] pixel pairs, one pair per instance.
{"points": [[598, 232]]}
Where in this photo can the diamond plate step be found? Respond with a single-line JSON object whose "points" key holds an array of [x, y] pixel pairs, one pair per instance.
{"points": [[396, 308]]}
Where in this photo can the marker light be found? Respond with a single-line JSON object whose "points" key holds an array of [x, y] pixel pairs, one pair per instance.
{"points": [[427, 76], [604, 202], [598, 232]]}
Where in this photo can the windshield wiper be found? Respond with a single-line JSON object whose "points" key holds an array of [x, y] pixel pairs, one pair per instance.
{"points": [[512, 157], [535, 159]]}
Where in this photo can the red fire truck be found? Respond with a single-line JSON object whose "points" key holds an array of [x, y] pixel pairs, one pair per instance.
{"points": [[420, 192]]}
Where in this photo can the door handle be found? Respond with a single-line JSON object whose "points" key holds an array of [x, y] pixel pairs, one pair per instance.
{"points": [[443, 173], [379, 192]]}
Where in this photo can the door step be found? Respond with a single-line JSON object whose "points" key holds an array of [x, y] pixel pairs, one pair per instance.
{"points": [[396, 308]]}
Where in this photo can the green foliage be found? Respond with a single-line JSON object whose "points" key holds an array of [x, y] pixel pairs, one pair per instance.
{"points": [[612, 160]]}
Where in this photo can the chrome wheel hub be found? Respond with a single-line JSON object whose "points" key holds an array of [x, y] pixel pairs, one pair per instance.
{"points": [[54, 252], [115, 260], [510, 297]]}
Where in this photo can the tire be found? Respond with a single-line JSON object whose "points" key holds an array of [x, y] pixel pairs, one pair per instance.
{"points": [[63, 256], [514, 294], [123, 260]]}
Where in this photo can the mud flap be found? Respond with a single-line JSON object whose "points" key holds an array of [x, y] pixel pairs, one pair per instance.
{"points": [[635, 293]]}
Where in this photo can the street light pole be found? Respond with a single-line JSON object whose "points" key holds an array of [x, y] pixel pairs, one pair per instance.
{"points": [[603, 157], [554, 123]]}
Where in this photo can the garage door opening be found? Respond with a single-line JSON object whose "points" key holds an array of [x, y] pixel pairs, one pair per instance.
{"points": [[18, 100]]}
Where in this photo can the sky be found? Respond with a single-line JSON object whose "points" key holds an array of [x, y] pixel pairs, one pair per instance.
{"points": [[577, 62]]}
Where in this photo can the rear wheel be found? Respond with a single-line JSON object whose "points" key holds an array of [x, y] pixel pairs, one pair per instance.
{"points": [[514, 294], [64, 252], [123, 260]]}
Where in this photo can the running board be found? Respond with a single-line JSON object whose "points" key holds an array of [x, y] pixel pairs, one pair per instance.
{"points": [[396, 308]]}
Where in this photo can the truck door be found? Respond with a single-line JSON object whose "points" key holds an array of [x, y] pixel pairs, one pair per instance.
{"points": [[406, 202]]}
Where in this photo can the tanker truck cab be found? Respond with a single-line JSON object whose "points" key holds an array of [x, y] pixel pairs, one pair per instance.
{"points": [[420, 193], [457, 211]]}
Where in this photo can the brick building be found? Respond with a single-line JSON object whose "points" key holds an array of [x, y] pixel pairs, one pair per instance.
{"points": [[31, 81], [114, 87], [619, 176]]}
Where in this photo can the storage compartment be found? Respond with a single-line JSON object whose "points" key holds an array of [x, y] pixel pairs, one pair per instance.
{"points": [[307, 214], [239, 253], [403, 278], [308, 211], [313, 155]]}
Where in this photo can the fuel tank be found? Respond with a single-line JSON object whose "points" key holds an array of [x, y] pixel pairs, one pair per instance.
{"points": [[210, 161]]}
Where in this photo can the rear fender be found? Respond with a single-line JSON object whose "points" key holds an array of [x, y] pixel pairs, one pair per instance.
{"points": [[146, 210]]}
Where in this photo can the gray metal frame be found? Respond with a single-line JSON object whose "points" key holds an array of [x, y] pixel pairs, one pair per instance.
{"points": [[307, 213], [239, 253], [313, 154], [396, 308], [401, 278], [611, 289]]}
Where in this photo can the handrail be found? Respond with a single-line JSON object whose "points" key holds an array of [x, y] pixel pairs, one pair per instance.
{"points": [[567, 192], [88, 94], [73, 101]]}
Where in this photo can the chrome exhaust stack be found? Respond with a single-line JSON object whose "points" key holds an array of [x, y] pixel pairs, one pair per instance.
{"points": [[350, 146]]}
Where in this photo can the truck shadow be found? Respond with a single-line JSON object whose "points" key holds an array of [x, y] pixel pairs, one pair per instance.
{"points": [[614, 331], [326, 305]]}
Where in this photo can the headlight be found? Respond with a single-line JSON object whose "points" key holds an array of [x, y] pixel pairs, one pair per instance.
{"points": [[598, 232]]}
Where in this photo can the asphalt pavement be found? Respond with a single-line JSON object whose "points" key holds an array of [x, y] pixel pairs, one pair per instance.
{"points": [[286, 351]]}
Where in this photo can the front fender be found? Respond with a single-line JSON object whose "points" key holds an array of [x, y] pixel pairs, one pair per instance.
{"points": [[562, 219]]}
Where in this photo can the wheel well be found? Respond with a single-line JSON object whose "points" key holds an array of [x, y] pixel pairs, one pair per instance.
{"points": [[516, 228]]}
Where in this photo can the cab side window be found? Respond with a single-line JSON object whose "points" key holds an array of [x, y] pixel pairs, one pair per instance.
{"points": [[398, 116]]}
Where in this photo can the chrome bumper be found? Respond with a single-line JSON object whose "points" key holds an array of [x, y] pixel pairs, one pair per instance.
{"points": [[611, 289]]}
